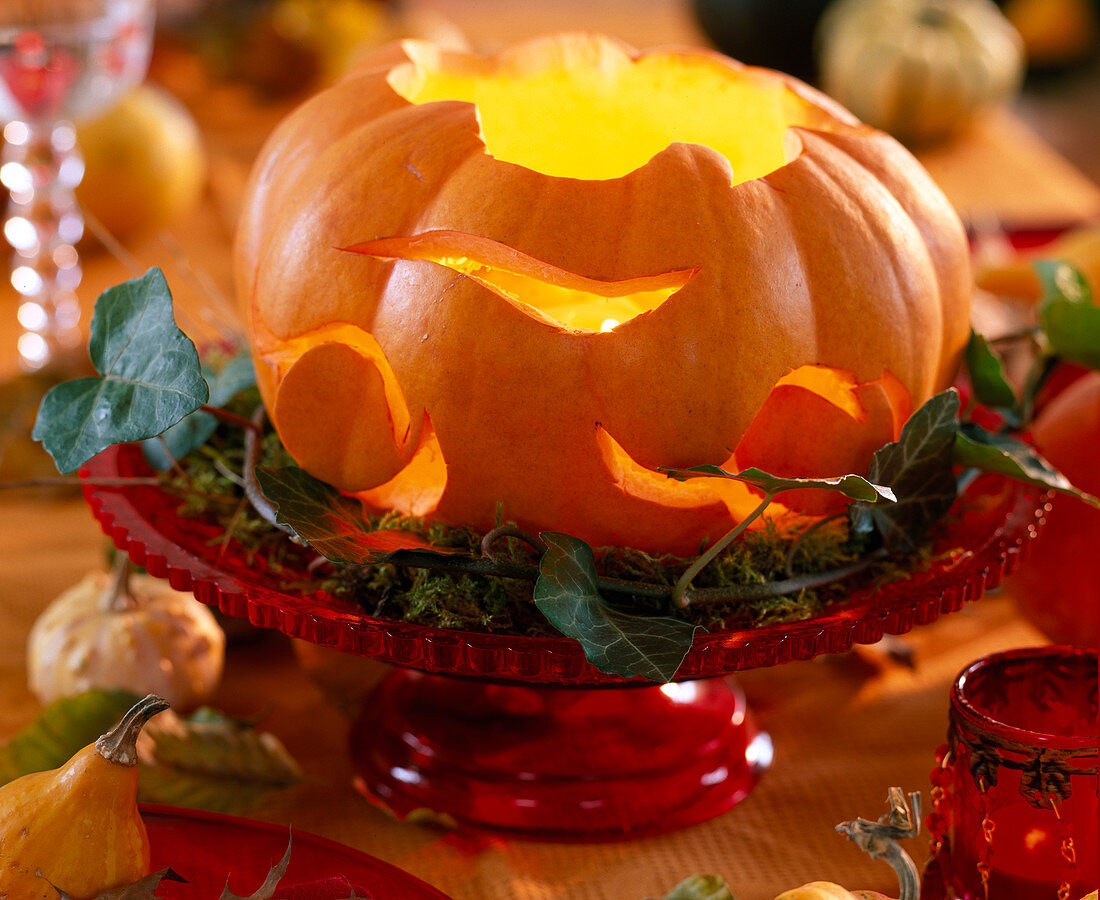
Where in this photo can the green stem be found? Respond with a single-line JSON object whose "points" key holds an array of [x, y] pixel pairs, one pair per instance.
{"points": [[787, 586], [800, 539], [74, 481], [684, 582]]}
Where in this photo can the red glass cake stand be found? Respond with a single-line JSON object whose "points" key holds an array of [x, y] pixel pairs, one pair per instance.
{"points": [[520, 735]]}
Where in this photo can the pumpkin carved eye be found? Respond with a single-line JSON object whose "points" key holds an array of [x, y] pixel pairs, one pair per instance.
{"points": [[562, 298]]}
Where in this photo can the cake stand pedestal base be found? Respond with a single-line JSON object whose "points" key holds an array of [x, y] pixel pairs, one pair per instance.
{"points": [[558, 763]]}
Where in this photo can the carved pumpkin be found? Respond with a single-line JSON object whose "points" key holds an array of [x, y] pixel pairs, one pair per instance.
{"points": [[577, 263]]}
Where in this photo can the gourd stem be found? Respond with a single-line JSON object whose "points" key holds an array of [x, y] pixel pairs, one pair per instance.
{"points": [[880, 839], [119, 745], [684, 582], [116, 596]]}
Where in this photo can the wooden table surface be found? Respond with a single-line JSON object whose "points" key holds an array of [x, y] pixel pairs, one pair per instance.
{"points": [[846, 728]]}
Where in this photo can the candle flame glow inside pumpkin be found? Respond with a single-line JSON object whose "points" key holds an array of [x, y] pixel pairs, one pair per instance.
{"points": [[620, 112]]}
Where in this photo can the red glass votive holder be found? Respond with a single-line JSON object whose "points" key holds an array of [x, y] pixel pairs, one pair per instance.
{"points": [[1015, 812]]}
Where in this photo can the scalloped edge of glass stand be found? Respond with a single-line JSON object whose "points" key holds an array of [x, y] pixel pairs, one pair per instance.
{"points": [[993, 522]]}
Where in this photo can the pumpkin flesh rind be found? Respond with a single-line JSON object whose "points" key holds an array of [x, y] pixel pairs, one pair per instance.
{"points": [[516, 402]]}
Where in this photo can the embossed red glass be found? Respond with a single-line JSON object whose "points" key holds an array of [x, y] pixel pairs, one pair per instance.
{"points": [[521, 735], [1015, 810]]}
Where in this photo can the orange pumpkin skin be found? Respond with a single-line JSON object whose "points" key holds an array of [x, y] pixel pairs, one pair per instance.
{"points": [[844, 256], [1057, 586]]}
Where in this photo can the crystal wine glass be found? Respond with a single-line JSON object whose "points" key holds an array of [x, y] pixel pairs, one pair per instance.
{"points": [[61, 61]]}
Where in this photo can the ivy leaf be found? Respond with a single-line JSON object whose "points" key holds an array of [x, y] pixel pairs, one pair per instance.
{"points": [[193, 430], [1067, 314], [212, 762], [980, 449], [919, 468], [614, 641], [987, 374], [150, 377], [701, 887], [143, 889], [331, 523], [61, 729], [271, 882], [854, 487]]}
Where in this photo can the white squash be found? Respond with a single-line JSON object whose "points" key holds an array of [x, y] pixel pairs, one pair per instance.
{"points": [[133, 633], [918, 69]]}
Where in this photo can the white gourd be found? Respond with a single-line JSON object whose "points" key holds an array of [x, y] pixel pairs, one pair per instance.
{"points": [[918, 69], [132, 633]]}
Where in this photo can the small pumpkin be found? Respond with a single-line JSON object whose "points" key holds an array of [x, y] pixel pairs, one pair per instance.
{"points": [[1057, 585], [827, 890], [131, 632], [77, 828], [577, 263], [918, 69]]}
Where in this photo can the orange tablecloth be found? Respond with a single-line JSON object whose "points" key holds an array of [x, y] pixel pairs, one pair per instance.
{"points": [[845, 728]]}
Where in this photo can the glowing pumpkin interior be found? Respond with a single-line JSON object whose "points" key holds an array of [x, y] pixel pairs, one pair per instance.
{"points": [[618, 112]]}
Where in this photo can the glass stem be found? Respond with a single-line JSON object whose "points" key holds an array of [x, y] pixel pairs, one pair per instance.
{"points": [[41, 165]]}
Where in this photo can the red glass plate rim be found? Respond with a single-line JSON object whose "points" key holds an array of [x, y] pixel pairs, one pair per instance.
{"points": [[984, 723], [398, 876], [122, 513]]}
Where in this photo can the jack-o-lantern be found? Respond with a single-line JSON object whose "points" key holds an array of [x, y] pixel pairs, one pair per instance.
{"points": [[574, 264]]}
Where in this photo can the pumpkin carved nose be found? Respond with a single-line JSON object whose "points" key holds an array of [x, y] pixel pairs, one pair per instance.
{"points": [[562, 298]]}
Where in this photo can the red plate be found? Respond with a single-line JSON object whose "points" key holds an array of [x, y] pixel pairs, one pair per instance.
{"points": [[992, 521], [212, 851]]}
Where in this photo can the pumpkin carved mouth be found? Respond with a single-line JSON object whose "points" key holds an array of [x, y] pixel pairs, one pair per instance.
{"points": [[562, 298], [621, 111]]}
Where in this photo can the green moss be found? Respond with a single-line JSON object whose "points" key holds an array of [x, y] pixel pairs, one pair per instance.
{"points": [[209, 489]]}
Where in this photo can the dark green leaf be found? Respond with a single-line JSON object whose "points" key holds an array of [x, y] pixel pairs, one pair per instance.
{"points": [[333, 524], [919, 468], [987, 374], [980, 449], [1069, 318], [854, 487], [614, 641], [150, 371], [193, 431], [1073, 331], [61, 729], [1061, 281]]}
